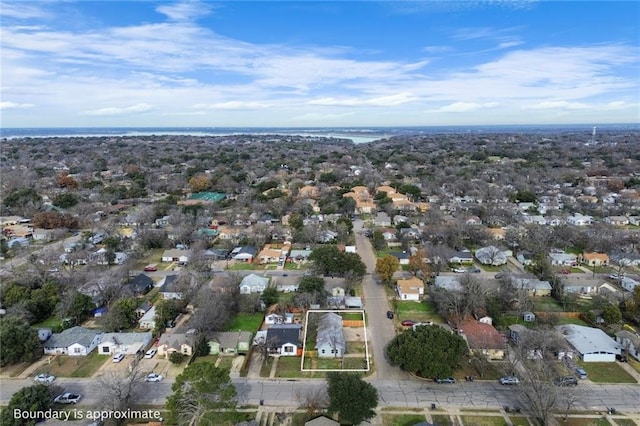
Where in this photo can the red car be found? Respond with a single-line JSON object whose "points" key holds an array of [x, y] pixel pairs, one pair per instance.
{"points": [[408, 323], [151, 268]]}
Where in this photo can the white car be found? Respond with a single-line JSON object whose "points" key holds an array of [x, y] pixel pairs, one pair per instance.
{"points": [[509, 380], [154, 377], [68, 398], [150, 353], [44, 378], [459, 270], [118, 357]]}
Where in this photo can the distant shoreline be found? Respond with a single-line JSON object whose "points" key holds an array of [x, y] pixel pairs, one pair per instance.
{"points": [[356, 134]]}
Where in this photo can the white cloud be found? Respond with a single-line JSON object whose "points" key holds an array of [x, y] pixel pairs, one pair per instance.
{"points": [[465, 107], [185, 11], [390, 100], [21, 10], [13, 105], [557, 105], [233, 105], [319, 117], [137, 108]]}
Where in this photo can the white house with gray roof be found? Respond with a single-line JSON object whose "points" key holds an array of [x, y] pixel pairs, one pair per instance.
{"points": [[253, 283], [126, 343], [74, 341], [593, 344], [330, 341]]}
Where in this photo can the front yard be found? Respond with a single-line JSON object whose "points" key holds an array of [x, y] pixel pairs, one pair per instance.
{"points": [[74, 366], [606, 372], [416, 311]]}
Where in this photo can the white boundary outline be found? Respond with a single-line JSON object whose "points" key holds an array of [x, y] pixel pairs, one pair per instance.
{"points": [[337, 311]]}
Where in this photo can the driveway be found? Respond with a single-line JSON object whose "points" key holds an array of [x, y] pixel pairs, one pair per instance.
{"points": [[379, 328]]}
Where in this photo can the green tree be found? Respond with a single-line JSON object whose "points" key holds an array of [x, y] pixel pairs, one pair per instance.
{"points": [[311, 284], [385, 268], [65, 200], [202, 347], [270, 296], [351, 398], [427, 351], [296, 221], [35, 398], [121, 315], [19, 341], [611, 314], [326, 258], [176, 358], [203, 395], [377, 240]]}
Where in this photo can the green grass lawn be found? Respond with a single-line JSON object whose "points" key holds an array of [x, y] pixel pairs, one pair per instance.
{"points": [[402, 419], [606, 372], [584, 421], [51, 322], [414, 307], [546, 304], [357, 316], [355, 347], [483, 420], [441, 419], [246, 322], [243, 266], [568, 320], [519, 421]]}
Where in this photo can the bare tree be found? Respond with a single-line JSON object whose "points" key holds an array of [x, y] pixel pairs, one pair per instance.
{"points": [[313, 400], [120, 390]]}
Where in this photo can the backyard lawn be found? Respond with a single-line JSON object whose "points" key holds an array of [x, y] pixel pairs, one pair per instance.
{"points": [[246, 322], [417, 311]]}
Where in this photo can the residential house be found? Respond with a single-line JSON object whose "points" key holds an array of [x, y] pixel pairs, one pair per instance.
{"points": [[143, 308], [176, 342], [560, 258], [629, 342], [534, 220], [176, 255], [321, 420], [463, 256], [230, 343], [609, 291], [126, 343], [409, 233], [74, 341], [274, 254], [170, 288], [410, 289], [626, 259], [483, 338], [337, 291], [617, 220], [326, 236], [299, 256], [533, 286], [244, 253], [274, 318], [141, 284], [43, 234], [497, 234], [581, 286], [579, 220], [593, 344], [148, 320], [284, 339], [525, 258], [629, 284], [382, 219], [353, 302], [594, 259], [287, 287], [330, 340], [402, 256], [253, 283]]}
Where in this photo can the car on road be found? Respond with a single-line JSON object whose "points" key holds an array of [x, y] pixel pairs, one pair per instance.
{"points": [[616, 276], [67, 398], [509, 380], [566, 381], [150, 353], [475, 270], [581, 373], [154, 377], [459, 270], [151, 268], [390, 314], [449, 380], [44, 378], [408, 323], [118, 357]]}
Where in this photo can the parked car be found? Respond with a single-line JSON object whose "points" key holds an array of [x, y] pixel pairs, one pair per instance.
{"points": [[44, 378], [475, 270], [390, 314], [616, 276], [581, 373], [566, 381], [509, 380], [151, 267], [459, 270], [622, 358], [150, 353], [67, 398], [154, 377], [449, 380], [118, 357], [408, 323]]}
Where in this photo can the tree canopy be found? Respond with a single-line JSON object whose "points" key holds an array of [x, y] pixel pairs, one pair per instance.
{"points": [[203, 395], [311, 284], [427, 351], [35, 398], [329, 260], [353, 399], [19, 341], [385, 268]]}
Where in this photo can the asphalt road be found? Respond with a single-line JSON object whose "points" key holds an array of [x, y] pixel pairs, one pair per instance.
{"points": [[392, 393], [380, 329]]}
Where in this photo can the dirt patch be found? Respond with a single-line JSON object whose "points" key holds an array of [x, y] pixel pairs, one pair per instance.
{"points": [[353, 334]]}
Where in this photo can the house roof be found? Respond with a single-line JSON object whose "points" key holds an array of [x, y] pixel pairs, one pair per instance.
{"points": [[634, 339], [410, 286], [330, 332], [596, 256], [176, 253], [481, 336], [170, 284], [588, 340], [530, 283], [278, 335], [254, 280], [141, 281], [448, 283], [126, 339], [231, 339], [176, 340], [77, 334], [321, 421], [353, 301]]}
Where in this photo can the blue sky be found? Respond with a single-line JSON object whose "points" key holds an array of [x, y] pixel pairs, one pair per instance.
{"points": [[298, 64]]}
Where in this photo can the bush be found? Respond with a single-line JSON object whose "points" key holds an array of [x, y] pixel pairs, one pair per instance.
{"points": [[176, 358]]}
